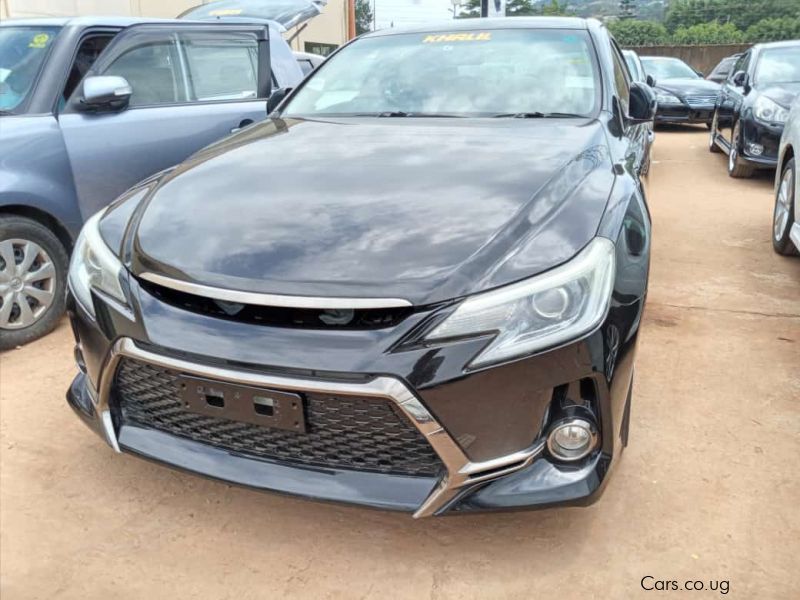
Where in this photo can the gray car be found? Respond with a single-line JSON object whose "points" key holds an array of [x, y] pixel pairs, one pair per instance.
{"points": [[91, 106], [785, 222]]}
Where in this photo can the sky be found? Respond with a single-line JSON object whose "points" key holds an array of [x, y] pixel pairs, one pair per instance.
{"points": [[410, 12]]}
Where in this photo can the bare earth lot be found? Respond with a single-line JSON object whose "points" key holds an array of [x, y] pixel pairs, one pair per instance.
{"points": [[708, 489]]}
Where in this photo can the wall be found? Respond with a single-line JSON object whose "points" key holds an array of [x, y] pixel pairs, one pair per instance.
{"points": [[328, 28], [702, 58]]}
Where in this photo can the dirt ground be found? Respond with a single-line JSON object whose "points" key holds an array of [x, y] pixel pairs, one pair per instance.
{"points": [[706, 491]]}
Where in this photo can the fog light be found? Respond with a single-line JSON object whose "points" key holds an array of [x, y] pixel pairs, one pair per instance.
{"points": [[755, 149], [572, 439]]}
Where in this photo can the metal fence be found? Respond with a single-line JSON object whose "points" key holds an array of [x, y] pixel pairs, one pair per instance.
{"points": [[702, 58]]}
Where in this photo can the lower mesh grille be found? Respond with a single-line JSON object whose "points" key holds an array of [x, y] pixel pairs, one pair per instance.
{"points": [[348, 432]]}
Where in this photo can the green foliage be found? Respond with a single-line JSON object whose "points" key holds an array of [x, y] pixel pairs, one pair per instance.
{"points": [[708, 33], [683, 14], [515, 8], [638, 33], [364, 16], [774, 29]]}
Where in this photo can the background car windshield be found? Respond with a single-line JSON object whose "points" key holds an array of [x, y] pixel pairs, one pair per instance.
{"points": [[22, 52], [468, 73], [668, 68], [779, 65]]}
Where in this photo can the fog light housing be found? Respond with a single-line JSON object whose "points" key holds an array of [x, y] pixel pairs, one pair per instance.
{"points": [[755, 149], [572, 439]]}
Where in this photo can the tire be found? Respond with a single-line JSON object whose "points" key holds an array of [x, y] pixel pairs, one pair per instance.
{"points": [[38, 277], [712, 135], [783, 216], [736, 166], [626, 415]]}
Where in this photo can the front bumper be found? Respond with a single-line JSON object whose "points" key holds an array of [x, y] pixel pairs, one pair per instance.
{"points": [[765, 135], [683, 113], [487, 427]]}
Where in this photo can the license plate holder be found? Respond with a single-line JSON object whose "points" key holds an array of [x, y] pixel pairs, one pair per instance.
{"points": [[260, 406]]}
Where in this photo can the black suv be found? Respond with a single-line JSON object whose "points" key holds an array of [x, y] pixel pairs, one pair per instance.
{"points": [[417, 286]]}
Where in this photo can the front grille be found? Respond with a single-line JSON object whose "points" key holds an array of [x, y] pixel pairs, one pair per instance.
{"points": [[348, 432], [276, 316], [704, 100]]}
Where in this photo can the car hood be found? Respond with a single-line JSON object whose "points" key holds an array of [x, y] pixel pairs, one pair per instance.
{"points": [[424, 210], [784, 94], [688, 86]]}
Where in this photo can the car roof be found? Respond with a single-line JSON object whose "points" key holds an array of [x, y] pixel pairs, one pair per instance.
{"points": [[114, 21], [784, 44], [491, 24]]}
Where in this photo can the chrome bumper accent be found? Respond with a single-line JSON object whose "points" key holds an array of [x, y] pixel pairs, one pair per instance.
{"points": [[461, 472], [281, 300]]}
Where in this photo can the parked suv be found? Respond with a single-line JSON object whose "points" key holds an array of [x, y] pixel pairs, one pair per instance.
{"points": [[438, 312], [90, 106]]}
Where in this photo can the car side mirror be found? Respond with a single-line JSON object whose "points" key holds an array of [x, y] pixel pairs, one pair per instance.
{"points": [[109, 92], [651, 81], [742, 79], [276, 98], [641, 104]]}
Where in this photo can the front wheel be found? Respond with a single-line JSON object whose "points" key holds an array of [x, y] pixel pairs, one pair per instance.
{"points": [[33, 275], [783, 216], [736, 165]]}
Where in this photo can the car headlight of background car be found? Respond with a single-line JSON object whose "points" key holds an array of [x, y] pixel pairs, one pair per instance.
{"points": [[538, 313], [94, 266], [768, 110], [664, 97]]}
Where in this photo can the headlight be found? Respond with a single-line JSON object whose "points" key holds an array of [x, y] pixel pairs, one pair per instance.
{"points": [[768, 110], [541, 312], [663, 97], [94, 266]]}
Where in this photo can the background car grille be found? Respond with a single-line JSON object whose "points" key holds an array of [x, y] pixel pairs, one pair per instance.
{"points": [[704, 100], [348, 432]]}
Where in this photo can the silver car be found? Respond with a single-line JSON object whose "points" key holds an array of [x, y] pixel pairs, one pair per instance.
{"points": [[785, 224], [90, 106]]}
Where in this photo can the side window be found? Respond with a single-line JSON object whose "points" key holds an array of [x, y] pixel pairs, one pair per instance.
{"points": [[621, 78], [88, 51], [152, 70], [221, 67], [740, 65]]}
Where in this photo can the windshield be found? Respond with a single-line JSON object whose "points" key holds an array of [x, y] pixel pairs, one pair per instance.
{"points": [[778, 65], [515, 72], [22, 52], [724, 67], [633, 65], [668, 68]]}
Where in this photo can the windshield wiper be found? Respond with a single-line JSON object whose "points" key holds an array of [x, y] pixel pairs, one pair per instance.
{"points": [[534, 115], [401, 113]]}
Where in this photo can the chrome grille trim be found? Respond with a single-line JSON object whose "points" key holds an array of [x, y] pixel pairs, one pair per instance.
{"points": [[461, 472], [277, 300]]}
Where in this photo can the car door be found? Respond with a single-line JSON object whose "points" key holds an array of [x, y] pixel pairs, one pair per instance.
{"points": [[730, 99], [191, 85]]}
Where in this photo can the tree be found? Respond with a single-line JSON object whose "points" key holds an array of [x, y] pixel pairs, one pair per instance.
{"points": [[553, 9], [514, 8], [708, 33], [742, 13], [364, 16], [774, 29], [638, 33], [627, 9]]}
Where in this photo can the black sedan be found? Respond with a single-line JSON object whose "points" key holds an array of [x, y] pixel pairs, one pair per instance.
{"points": [[417, 286], [753, 106], [683, 95]]}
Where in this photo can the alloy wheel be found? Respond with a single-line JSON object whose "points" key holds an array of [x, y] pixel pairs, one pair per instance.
{"points": [[27, 283], [783, 204]]}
